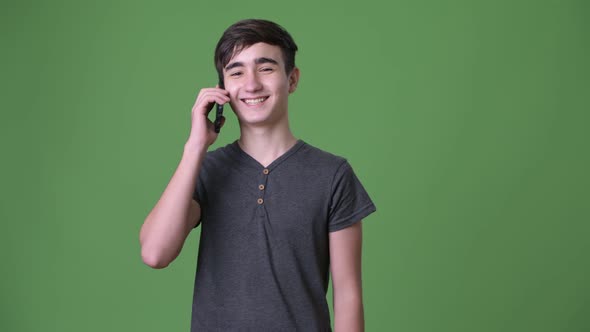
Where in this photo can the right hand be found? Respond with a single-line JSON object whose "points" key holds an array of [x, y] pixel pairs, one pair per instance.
{"points": [[202, 129]]}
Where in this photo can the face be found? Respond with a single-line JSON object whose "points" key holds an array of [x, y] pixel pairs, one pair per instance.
{"points": [[258, 85]]}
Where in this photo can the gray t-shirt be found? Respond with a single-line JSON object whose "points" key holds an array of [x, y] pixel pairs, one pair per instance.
{"points": [[263, 261]]}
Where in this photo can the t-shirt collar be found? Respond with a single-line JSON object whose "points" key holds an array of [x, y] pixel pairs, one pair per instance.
{"points": [[242, 156]]}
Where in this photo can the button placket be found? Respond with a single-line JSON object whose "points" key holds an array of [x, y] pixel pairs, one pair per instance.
{"points": [[262, 186]]}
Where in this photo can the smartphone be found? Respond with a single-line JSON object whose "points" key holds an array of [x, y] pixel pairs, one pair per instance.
{"points": [[218, 112]]}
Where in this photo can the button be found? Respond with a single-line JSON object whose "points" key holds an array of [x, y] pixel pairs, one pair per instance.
{"points": [[261, 187], [265, 171], [260, 201]]}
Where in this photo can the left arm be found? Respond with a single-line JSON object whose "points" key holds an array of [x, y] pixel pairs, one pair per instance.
{"points": [[345, 266]]}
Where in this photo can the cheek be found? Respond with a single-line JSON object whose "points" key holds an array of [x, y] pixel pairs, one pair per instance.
{"points": [[234, 102], [281, 86], [233, 93]]}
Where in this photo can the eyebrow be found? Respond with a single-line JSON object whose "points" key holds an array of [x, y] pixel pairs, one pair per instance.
{"points": [[257, 61]]}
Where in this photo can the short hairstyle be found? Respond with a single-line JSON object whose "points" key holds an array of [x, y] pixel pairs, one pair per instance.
{"points": [[246, 33]]}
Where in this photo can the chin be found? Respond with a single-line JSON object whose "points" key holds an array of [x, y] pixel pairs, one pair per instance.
{"points": [[258, 120], [255, 122], [250, 115]]}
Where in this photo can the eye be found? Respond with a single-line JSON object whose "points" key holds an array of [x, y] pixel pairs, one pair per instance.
{"points": [[236, 74], [266, 69]]}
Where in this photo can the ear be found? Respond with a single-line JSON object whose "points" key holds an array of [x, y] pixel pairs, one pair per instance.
{"points": [[293, 80]]}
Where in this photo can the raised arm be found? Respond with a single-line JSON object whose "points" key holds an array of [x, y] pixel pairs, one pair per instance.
{"points": [[166, 227]]}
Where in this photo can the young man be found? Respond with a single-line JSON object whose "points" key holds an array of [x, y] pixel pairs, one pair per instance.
{"points": [[277, 214]]}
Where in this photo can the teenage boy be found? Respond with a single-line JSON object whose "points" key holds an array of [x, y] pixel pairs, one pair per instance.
{"points": [[277, 214]]}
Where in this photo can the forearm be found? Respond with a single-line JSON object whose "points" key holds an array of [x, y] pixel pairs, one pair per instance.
{"points": [[348, 312], [165, 229]]}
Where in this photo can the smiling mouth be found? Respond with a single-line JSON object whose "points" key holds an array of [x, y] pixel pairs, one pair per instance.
{"points": [[254, 101]]}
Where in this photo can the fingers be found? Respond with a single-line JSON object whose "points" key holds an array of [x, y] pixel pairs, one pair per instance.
{"points": [[213, 94], [207, 97], [216, 89]]}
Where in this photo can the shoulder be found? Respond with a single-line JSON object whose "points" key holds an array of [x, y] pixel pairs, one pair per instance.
{"points": [[219, 154], [217, 160], [321, 159]]}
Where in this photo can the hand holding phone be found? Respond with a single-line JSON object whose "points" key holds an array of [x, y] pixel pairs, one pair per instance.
{"points": [[202, 128], [218, 112]]}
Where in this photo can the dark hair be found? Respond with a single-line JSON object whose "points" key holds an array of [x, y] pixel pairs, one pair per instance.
{"points": [[245, 33]]}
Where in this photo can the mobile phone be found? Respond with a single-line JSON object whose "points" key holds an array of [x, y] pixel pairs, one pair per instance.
{"points": [[218, 112]]}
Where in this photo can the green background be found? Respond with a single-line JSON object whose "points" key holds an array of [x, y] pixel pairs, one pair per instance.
{"points": [[466, 121]]}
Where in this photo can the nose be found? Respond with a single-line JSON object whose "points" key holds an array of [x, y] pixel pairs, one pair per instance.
{"points": [[253, 82]]}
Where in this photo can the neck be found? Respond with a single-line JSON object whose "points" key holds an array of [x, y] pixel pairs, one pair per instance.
{"points": [[265, 144]]}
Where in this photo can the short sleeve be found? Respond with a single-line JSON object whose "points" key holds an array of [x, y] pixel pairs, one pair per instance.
{"points": [[198, 191], [199, 195], [350, 202]]}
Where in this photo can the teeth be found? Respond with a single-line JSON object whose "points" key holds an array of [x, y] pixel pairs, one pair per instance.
{"points": [[254, 101]]}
